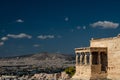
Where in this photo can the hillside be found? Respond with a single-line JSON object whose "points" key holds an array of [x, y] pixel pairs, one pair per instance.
{"points": [[41, 60]]}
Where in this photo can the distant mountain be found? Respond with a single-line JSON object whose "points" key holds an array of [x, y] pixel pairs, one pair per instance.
{"points": [[43, 56], [41, 59], [52, 56]]}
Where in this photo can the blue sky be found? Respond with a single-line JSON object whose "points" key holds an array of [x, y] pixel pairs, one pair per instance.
{"points": [[34, 26]]}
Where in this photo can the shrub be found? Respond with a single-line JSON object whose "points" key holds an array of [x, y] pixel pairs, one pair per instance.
{"points": [[70, 71]]}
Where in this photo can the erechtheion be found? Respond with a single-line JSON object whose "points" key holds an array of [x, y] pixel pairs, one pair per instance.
{"points": [[99, 61]]}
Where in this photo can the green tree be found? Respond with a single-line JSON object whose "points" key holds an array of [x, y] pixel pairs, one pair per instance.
{"points": [[70, 71]]}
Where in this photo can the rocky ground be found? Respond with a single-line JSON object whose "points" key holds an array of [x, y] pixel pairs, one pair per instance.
{"points": [[41, 76]]}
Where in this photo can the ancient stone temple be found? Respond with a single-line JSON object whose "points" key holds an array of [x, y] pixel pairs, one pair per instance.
{"points": [[99, 61]]}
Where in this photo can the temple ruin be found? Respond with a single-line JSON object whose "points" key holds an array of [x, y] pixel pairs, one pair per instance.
{"points": [[99, 61]]}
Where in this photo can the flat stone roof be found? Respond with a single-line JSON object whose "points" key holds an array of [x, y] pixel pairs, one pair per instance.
{"points": [[109, 38]]}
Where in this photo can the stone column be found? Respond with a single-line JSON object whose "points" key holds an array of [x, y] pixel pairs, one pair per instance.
{"points": [[99, 60], [76, 58], [90, 59], [85, 58], [81, 56]]}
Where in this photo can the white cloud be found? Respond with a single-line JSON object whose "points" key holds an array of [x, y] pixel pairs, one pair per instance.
{"points": [[105, 24], [66, 18], [19, 21], [46, 37], [4, 38], [78, 27], [21, 35], [84, 27], [36, 45], [1, 43]]}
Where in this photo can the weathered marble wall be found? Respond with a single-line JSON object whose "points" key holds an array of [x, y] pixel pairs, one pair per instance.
{"points": [[113, 45], [83, 72]]}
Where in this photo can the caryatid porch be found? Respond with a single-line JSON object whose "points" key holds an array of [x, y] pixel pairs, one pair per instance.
{"points": [[91, 56]]}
